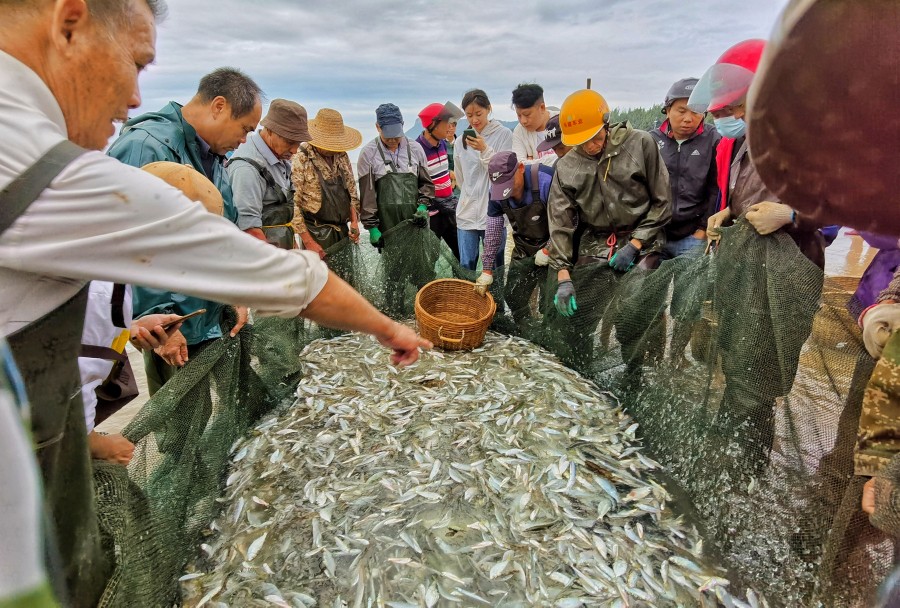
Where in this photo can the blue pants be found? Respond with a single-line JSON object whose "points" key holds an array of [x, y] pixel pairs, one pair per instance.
{"points": [[470, 242], [689, 248]]}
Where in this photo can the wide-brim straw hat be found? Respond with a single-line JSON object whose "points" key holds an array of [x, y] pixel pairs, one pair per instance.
{"points": [[823, 123], [329, 132]]}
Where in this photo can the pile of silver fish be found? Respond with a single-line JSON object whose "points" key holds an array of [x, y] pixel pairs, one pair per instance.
{"points": [[496, 477]]}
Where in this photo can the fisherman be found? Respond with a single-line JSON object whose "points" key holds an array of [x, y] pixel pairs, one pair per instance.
{"points": [[260, 174], [216, 120], [102, 219], [107, 325], [438, 122], [608, 207], [520, 193], [688, 147], [534, 118], [325, 198], [754, 375], [394, 181], [395, 187]]}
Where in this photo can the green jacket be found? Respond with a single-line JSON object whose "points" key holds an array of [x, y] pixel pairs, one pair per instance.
{"points": [[623, 191], [164, 135]]}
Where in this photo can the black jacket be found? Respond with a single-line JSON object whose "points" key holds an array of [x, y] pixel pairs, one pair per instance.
{"points": [[692, 175]]}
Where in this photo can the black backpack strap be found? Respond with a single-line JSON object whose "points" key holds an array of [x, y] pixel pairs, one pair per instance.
{"points": [[91, 351], [16, 197], [535, 183], [117, 306]]}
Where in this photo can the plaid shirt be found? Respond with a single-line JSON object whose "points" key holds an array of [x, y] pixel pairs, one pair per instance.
{"points": [[307, 192]]}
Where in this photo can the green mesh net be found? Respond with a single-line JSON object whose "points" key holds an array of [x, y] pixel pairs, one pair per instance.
{"points": [[743, 369]]}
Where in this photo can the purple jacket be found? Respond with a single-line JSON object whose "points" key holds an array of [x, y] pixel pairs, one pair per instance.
{"points": [[879, 273]]}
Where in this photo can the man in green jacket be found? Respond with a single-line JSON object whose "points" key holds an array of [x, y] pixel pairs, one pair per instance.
{"points": [[226, 108], [608, 206]]}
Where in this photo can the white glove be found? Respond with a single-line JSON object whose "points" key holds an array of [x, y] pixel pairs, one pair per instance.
{"points": [[541, 258], [767, 217], [715, 222], [483, 282], [878, 323]]}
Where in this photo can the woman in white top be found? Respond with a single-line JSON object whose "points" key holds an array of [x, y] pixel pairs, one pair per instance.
{"points": [[471, 156]]}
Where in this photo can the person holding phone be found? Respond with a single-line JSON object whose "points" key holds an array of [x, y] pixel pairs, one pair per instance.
{"points": [[108, 327], [484, 138]]}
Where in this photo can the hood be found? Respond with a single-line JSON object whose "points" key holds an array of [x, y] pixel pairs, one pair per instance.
{"points": [[618, 133], [493, 126], [155, 122]]}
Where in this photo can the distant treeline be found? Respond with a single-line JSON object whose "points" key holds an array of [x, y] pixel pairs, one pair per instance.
{"points": [[640, 118]]}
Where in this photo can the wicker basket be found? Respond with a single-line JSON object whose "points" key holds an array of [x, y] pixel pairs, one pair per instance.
{"points": [[452, 316]]}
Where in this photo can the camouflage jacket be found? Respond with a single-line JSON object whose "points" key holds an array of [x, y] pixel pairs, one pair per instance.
{"points": [[879, 424]]}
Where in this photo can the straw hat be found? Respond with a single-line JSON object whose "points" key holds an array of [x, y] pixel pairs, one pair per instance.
{"points": [[191, 182], [823, 112], [329, 132]]}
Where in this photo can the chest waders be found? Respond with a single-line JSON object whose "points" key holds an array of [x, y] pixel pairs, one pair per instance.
{"points": [[46, 352], [328, 226], [397, 193], [276, 214], [531, 230]]}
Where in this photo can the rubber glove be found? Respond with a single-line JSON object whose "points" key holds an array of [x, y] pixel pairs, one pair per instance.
{"points": [[483, 283], [564, 300], [542, 258], [375, 238], [767, 217], [878, 323], [624, 258], [715, 222], [420, 218]]}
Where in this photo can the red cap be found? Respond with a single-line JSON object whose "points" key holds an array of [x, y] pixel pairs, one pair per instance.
{"points": [[439, 111], [429, 113]]}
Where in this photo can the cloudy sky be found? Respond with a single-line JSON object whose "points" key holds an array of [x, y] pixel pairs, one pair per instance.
{"points": [[352, 55]]}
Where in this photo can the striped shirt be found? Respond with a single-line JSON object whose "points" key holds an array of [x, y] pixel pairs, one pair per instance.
{"points": [[438, 166]]}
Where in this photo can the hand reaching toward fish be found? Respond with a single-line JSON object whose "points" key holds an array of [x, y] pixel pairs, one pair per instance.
{"points": [[405, 343]]}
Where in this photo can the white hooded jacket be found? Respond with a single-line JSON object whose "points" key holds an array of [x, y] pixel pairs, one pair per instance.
{"points": [[472, 175]]}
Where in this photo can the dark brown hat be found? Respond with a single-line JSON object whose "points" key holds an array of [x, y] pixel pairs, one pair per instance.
{"points": [[287, 119], [828, 75]]}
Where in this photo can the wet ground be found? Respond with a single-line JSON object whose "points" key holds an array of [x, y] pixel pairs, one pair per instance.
{"points": [[848, 256]]}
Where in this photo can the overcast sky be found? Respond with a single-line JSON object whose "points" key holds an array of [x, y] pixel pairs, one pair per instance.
{"points": [[352, 55]]}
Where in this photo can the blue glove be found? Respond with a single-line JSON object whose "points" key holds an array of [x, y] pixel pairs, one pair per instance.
{"points": [[624, 258], [420, 218], [564, 300]]}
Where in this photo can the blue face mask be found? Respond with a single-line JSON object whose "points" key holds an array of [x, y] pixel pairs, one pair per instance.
{"points": [[730, 126]]}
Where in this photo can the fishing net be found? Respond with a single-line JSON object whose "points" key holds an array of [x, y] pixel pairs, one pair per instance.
{"points": [[742, 368]]}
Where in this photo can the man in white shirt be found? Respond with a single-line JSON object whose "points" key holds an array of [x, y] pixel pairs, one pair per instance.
{"points": [[533, 115], [100, 219]]}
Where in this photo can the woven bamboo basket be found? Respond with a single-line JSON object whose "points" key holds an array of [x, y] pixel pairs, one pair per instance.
{"points": [[452, 316]]}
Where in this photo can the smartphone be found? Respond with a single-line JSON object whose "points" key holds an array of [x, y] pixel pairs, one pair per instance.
{"points": [[470, 132], [175, 322]]}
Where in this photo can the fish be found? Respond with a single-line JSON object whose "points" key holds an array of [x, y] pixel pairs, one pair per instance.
{"points": [[493, 477]]}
